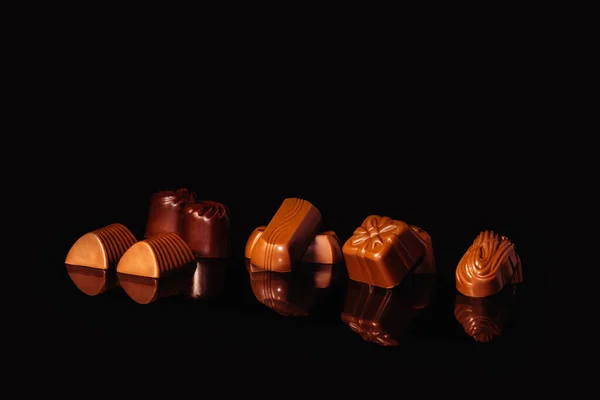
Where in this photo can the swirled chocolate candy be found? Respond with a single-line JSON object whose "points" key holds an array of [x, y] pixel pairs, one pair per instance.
{"points": [[165, 211], [325, 248], [484, 318], [287, 236], [205, 228], [382, 316], [488, 264], [145, 290], [92, 281], [156, 257], [382, 251], [101, 248]]}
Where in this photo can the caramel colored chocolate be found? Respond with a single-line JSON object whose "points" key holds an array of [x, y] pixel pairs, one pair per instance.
{"points": [[102, 248], [92, 281], [427, 264], [325, 248], [484, 318], [382, 316], [295, 293], [165, 211], [287, 237], [209, 278], [156, 257], [205, 228], [488, 264], [382, 250], [144, 290]]}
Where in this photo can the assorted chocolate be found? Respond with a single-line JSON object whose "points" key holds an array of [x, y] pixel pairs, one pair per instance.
{"points": [[489, 264]]}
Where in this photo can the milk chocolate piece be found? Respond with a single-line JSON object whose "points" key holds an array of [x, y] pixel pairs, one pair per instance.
{"points": [[324, 249], [205, 228], [488, 264], [383, 316], [209, 278], [144, 290], [156, 257], [295, 293], [165, 211], [92, 281], [287, 236], [485, 318], [101, 248], [382, 251], [427, 265]]}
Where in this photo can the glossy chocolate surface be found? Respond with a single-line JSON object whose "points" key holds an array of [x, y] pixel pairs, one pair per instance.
{"points": [[427, 264], [156, 257], [287, 236], [92, 281], [325, 248], [484, 319], [382, 251], [102, 248], [382, 316], [206, 229], [144, 290], [295, 293], [489, 264], [209, 279], [165, 215]]}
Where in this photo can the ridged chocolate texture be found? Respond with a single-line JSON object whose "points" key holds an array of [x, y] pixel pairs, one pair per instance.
{"points": [[287, 236], [205, 228], [325, 248], [92, 281], [427, 265], [165, 211], [382, 316], [156, 257], [382, 251], [101, 248], [484, 318], [144, 290], [489, 264]]}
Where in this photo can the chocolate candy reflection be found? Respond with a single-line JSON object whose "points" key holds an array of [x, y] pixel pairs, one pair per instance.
{"points": [[145, 290], [488, 264], [382, 251], [382, 316], [295, 293], [165, 211], [484, 318], [92, 281], [209, 278]]}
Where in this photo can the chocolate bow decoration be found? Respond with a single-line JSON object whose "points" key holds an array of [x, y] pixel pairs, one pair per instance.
{"points": [[374, 232]]}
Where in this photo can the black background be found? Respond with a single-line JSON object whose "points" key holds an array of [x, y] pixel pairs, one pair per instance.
{"points": [[442, 143]]}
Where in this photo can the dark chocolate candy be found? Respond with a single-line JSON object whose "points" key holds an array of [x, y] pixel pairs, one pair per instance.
{"points": [[164, 215], [206, 229], [382, 251], [102, 248], [489, 264]]}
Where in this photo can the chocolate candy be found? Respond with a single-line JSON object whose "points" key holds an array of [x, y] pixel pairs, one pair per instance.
{"points": [[295, 293], [165, 211], [325, 248], [92, 281], [382, 316], [209, 278], [205, 228], [488, 264], [102, 248], [156, 257], [484, 318], [287, 237], [427, 265], [382, 251], [144, 290]]}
